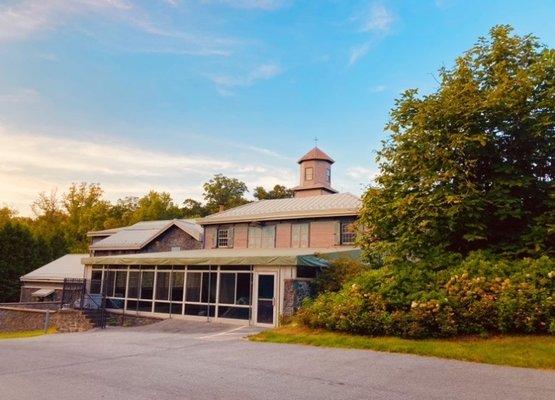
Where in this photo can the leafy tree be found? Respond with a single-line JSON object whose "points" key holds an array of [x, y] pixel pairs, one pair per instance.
{"points": [[86, 211], [193, 209], [278, 192], [121, 213], [6, 215], [224, 191], [155, 206], [20, 253], [470, 166]]}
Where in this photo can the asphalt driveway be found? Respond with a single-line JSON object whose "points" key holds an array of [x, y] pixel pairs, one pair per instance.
{"points": [[212, 361]]}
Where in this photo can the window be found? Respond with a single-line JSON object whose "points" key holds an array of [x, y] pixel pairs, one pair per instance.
{"points": [[223, 237], [147, 285], [262, 237], [133, 289], [328, 175], [299, 235], [177, 286], [162, 285], [96, 281], [347, 233], [308, 173], [176, 248], [121, 283]]}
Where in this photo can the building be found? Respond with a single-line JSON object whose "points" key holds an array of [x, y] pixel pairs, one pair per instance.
{"points": [[147, 237], [255, 263], [46, 283]]}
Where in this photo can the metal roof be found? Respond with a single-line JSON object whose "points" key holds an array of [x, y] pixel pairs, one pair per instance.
{"points": [[316, 154], [340, 204], [137, 236], [314, 257], [68, 266]]}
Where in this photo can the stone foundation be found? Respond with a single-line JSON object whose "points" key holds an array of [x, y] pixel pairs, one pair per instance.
{"points": [[28, 319], [295, 291]]}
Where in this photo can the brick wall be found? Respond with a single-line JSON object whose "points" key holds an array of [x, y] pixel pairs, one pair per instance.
{"points": [[322, 234], [283, 235]]}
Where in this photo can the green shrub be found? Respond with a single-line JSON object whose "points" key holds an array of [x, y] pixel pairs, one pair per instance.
{"points": [[478, 295]]}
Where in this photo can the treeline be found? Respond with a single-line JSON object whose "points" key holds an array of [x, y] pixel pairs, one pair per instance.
{"points": [[60, 222]]}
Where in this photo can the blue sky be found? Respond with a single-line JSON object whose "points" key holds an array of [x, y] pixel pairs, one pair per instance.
{"points": [[140, 95]]}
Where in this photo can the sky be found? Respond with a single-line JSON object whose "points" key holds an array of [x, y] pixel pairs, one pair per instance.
{"points": [[163, 94]]}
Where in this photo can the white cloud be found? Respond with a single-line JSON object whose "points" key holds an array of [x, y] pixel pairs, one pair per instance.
{"points": [[375, 23], [378, 89], [378, 19], [32, 163], [362, 173], [31, 18], [20, 96], [224, 83], [266, 5], [359, 51]]}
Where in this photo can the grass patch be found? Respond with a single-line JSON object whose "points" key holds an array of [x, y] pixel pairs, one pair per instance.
{"points": [[24, 334], [516, 351]]}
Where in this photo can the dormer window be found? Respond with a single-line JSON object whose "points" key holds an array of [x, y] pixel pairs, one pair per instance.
{"points": [[308, 173]]}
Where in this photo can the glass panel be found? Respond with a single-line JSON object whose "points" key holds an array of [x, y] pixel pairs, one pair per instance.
{"points": [[145, 306], [110, 280], [265, 286], [233, 312], [227, 288], [177, 308], [199, 309], [162, 285], [96, 282], [193, 286], [121, 282], [115, 303], [131, 305], [234, 268], [209, 281], [133, 289], [163, 308], [265, 312], [243, 295], [147, 285], [177, 286]]}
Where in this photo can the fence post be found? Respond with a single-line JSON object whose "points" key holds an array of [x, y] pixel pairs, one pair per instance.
{"points": [[46, 321]]}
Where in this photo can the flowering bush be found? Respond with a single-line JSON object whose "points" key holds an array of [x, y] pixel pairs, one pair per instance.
{"points": [[478, 295]]}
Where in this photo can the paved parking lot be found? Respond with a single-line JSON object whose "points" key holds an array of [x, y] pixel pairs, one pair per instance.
{"points": [[185, 360]]}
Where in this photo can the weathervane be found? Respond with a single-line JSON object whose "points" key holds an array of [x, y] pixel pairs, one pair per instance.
{"points": [[315, 141]]}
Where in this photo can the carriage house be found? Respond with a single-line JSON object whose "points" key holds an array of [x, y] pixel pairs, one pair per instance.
{"points": [[255, 263]]}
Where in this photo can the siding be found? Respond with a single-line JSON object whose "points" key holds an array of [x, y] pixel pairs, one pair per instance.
{"points": [[283, 235]]}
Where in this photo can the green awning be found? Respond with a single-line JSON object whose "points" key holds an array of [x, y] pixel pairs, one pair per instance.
{"points": [[275, 257]]}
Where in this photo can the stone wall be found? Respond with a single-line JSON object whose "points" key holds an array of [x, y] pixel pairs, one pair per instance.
{"points": [[295, 291], [173, 237], [28, 319]]}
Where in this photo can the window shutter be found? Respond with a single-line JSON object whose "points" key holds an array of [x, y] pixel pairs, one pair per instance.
{"points": [[295, 235], [337, 233], [305, 235], [214, 237], [230, 237]]}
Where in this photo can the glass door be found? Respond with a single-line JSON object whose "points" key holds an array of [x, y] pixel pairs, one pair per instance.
{"points": [[265, 304]]}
